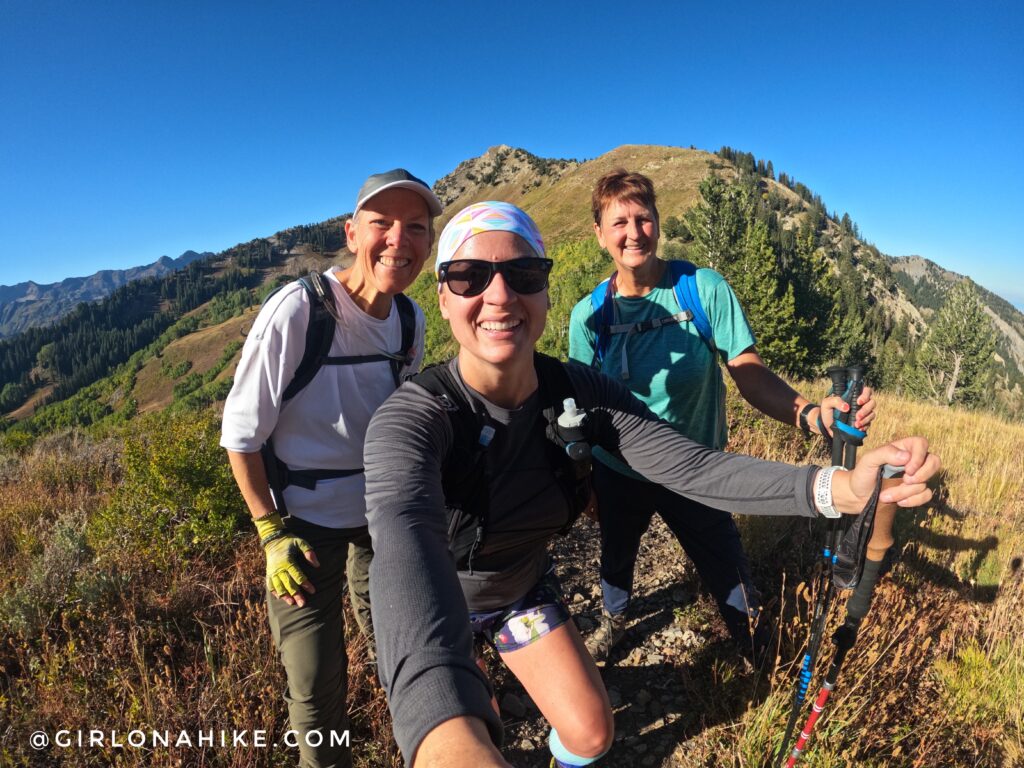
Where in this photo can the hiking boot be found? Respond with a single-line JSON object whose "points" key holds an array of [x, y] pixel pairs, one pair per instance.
{"points": [[610, 629], [753, 642]]}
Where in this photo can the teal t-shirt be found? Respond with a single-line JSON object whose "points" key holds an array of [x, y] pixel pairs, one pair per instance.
{"points": [[671, 368]]}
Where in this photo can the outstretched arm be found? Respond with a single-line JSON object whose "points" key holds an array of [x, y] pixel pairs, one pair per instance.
{"points": [[732, 481], [440, 701]]}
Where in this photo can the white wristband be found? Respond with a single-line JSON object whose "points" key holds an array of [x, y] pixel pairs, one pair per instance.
{"points": [[823, 493]]}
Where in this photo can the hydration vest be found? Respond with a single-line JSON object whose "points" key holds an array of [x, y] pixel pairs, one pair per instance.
{"points": [[466, 469]]}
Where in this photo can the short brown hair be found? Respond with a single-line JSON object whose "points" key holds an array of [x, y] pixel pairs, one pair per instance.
{"points": [[620, 184]]}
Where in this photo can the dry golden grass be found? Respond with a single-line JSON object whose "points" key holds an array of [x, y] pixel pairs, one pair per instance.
{"points": [[90, 639], [934, 679], [110, 642]]}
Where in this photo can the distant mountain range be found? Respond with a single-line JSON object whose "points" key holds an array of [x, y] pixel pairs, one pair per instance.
{"points": [[30, 304]]}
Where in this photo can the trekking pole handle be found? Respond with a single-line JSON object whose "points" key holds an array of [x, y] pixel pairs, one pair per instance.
{"points": [[853, 437], [878, 545], [855, 386], [840, 378], [838, 374], [881, 535]]}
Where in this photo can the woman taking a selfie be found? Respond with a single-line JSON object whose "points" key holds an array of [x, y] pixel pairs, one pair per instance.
{"points": [[465, 486]]}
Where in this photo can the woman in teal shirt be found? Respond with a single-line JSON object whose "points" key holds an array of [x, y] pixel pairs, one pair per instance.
{"points": [[674, 370]]}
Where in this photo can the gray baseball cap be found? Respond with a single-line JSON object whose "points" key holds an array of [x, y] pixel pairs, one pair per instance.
{"points": [[402, 179]]}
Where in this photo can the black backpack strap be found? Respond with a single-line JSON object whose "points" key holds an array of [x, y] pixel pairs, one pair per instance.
{"points": [[397, 360], [319, 333], [466, 470], [465, 474], [272, 467], [407, 318]]}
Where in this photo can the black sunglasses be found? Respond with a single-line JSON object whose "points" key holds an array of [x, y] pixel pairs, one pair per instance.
{"points": [[470, 277]]}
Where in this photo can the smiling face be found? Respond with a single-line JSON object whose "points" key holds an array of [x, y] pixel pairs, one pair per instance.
{"points": [[498, 328], [391, 237], [628, 230]]}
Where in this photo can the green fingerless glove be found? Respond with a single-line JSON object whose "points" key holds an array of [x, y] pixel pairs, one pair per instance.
{"points": [[285, 555]]}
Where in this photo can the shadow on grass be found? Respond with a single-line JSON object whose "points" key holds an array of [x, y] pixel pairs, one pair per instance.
{"points": [[930, 567]]}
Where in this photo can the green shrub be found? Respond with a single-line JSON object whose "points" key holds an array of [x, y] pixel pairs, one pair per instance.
{"points": [[982, 686], [45, 583], [177, 500], [176, 370], [190, 383]]}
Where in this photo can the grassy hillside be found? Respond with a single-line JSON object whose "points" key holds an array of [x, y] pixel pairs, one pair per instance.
{"points": [[193, 354], [132, 598], [560, 203]]}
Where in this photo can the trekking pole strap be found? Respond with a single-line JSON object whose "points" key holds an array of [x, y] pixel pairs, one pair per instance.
{"points": [[851, 432]]}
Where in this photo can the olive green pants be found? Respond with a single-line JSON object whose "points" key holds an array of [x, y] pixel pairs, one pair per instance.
{"points": [[311, 641], [357, 569]]}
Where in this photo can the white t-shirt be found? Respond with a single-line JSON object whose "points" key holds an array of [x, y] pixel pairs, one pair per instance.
{"points": [[324, 425]]}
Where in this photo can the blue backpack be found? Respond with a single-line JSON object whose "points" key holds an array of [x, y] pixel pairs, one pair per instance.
{"points": [[684, 286]]}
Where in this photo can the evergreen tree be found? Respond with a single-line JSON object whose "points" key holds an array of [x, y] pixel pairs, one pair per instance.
{"points": [[888, 371], [814, 286], [956, 363], [768, 302], [675, 228], [718, 223], [776, 278]]}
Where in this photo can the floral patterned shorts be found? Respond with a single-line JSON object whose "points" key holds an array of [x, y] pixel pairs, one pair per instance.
{"points": [[529, 618]]}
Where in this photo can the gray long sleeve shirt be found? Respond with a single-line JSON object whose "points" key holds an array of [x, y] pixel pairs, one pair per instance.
{"points": [[418, 598]]}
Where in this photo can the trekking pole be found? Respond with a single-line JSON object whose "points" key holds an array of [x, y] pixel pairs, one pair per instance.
{"points": [[850, 438], [841, 387], [871, 563], [857, 557]]}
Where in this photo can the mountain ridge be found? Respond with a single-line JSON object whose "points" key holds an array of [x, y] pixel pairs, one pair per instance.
{"points": [[30, 304], [556, 192]]}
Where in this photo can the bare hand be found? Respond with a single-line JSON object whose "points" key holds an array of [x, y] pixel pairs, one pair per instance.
{"points": [[865, 414], [852, 490]]}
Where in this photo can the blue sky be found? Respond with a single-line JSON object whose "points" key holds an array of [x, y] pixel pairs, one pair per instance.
{"points": [[130, 130]]}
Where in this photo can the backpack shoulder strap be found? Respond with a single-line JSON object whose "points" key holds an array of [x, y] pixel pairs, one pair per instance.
{"points": [[466, 421], [465, 475], [319, 332], [603, 306], [407, 319], [684, 285], [554, 384], [438, 380]]}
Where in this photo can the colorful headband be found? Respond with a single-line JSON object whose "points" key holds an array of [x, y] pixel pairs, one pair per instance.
{"points": [[486, 217]]}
